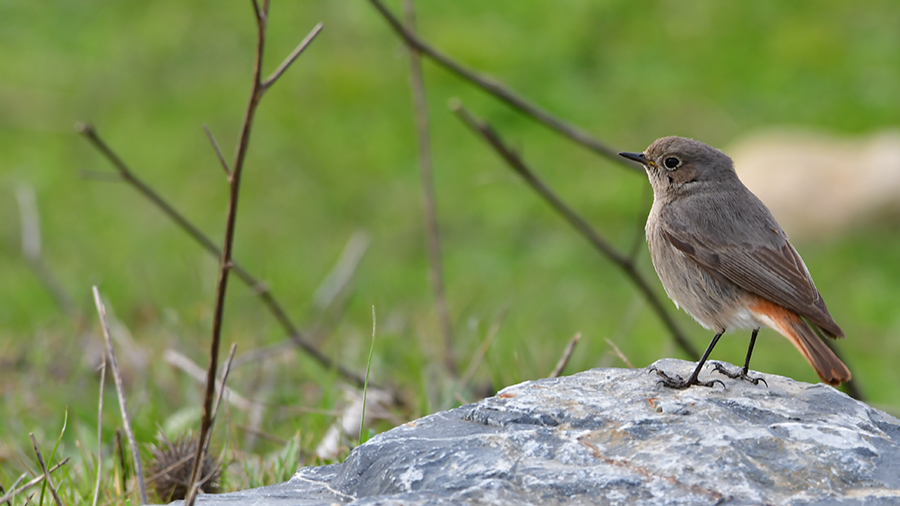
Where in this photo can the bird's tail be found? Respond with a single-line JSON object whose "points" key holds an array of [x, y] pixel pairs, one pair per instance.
{"points": [[827, 365]]}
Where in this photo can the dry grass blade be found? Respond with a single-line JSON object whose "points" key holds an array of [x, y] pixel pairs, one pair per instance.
{"points": [[503, 93], [47, 479], [619, 353], [580, 224], [120, 391], [9, 496], [99, 432], [567, 354]]}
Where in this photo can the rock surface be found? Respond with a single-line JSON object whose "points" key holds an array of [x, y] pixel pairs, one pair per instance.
{"points": [[614, 436]]}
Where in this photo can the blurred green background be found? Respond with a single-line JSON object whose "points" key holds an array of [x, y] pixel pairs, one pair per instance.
{"points": [[333, 151]]}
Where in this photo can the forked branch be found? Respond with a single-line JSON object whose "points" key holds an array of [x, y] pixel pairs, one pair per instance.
{"points": [[260, 288], [225, 264], [625, 263], [502, 92]]}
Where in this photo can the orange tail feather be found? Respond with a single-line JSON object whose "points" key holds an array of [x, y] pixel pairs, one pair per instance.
{"points": [[826, 364]]}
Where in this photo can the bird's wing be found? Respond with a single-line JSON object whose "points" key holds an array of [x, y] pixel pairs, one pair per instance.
{"points": [[775, 272]]}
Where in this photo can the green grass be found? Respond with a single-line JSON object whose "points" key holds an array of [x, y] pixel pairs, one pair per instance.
{"points": [[333, 151]]}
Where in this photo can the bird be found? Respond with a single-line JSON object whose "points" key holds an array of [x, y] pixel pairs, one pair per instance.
{"points": [[723, 258]]}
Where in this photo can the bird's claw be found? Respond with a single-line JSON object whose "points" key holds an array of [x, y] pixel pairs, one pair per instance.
{"points": [[741, 374], [678, 383]]}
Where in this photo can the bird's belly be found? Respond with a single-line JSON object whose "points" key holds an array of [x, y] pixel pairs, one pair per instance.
{"points": [[716, 305]]}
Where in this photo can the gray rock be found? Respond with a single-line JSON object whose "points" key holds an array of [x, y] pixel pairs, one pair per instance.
{"points": [[614, 436]]}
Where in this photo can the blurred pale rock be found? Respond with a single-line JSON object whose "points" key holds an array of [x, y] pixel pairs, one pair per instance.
{"points": [[614, 436], [819, 185]]}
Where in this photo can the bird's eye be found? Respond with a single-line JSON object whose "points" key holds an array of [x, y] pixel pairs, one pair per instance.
{"points": [[671, 162]]}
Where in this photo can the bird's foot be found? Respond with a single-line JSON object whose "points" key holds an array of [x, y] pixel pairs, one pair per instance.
{"points": [[740, 374], [678, 383]]}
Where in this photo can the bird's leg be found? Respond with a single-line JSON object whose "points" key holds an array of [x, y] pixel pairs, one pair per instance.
{"points": [[742, 374], [681, 384]]}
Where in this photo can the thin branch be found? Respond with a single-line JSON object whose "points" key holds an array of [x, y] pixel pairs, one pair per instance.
{"points": [[99, 432], [579, 223], [225, 264], [431, 226], [91, 134], [260, 16], [120, 391], [37, 451], [215, 146], [16, 491], [225, 261], [503, 93], [567, 354], [291, 57], [260, 288]]}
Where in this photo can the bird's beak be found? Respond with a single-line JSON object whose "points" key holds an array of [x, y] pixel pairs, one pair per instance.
{"points": [[637, 157]]}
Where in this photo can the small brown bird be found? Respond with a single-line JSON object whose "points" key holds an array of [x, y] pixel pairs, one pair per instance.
{"points": [[723, 258]]}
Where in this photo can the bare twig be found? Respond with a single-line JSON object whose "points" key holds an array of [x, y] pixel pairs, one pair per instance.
{"points": [[567, 354], [225, 264], [431, 226], [99, 432], [623, 262], [16, 491], [47, 479], [503, 93], [120, 391], [291, 57], [218, 150], [260, 288], [619, 353]]}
